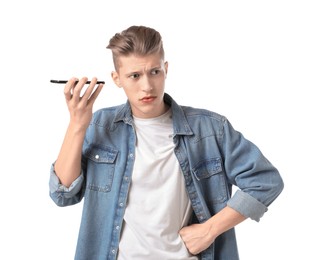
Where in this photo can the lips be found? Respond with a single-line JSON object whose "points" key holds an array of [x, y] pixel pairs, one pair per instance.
{"points": [[148, 99]]}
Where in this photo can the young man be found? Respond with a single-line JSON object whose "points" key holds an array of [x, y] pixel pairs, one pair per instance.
{"points": [[156, 178]]}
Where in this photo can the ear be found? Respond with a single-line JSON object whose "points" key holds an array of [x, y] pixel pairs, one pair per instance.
{"points": [[116, 78]]}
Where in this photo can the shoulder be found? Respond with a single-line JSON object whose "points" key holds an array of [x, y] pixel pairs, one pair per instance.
{"points": [[195, 116], [204, 122], [107, 115], [193, 113], [108, 110]]}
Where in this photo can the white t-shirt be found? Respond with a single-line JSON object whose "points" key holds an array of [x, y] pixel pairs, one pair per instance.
{"points": [[158, 205]]}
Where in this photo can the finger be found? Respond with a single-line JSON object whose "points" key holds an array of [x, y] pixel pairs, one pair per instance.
{"points": [[95, 94], [78, 88], [68, 88], [185, 231], [89, 90]]}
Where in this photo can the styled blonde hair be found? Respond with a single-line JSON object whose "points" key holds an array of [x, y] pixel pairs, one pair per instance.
{"points": [[137, 40]]}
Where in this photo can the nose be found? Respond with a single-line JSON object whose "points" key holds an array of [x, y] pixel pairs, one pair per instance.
{"points": [[147, 84]]}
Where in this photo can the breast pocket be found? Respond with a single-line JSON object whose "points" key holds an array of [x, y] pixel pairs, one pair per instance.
{"points": [[210, 175], [100, 168]]}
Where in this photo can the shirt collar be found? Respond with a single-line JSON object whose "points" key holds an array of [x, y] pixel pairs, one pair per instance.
{"points": [[180, 122]]}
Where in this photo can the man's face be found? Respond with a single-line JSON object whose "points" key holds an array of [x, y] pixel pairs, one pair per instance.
{"points": [[143, 81]]}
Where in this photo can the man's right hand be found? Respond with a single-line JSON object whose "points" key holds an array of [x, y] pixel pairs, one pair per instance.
{"points": [[81, 105]]}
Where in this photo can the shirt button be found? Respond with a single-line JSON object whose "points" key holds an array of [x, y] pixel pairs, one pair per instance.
{"points": [[131, 155], [117, 227], [126, 178], [97, 156], [121, 204], [113, 251]]}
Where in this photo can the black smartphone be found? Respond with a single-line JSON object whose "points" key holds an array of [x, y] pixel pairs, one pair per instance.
{"points": [[65, 81]]}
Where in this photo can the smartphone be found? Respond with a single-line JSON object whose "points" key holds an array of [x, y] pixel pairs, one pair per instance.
{"points": [[65, 81]]}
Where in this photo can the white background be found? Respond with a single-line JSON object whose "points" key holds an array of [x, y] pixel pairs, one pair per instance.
{"points": [[247, 60]]}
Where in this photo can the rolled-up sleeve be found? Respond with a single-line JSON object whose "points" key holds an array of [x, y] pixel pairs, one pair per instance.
{"points": [[62, 195], [259, 182], [247, 205]]}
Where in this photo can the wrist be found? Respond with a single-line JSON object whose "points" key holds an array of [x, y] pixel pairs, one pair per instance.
{"points": [[224, 220], [76, 128], [212, 229]]}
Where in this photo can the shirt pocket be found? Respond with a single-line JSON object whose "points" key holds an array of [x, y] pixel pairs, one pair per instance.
{"points": [[210, 175], [100, 168]]}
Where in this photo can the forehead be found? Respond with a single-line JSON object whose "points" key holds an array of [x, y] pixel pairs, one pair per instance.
{"points": [[134, 62]]}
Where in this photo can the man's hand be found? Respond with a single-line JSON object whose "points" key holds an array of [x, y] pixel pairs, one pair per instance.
{"points": [[197, 237], [80, 106], [68, 163]]}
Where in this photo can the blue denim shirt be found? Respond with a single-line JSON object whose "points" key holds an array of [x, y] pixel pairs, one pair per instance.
{"points": [[212, 155]]}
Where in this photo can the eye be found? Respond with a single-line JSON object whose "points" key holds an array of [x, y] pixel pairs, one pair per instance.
{"points": [[155, 72], [134, 76]]}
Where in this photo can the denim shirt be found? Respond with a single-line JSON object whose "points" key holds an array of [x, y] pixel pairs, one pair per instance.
{"points": [[213, 158]]}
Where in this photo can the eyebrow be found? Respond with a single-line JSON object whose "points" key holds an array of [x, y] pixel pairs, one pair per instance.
{"points": [[139, 72]]}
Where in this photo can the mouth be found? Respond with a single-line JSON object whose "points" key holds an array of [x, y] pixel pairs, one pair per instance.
{"points": [[148, 99]]}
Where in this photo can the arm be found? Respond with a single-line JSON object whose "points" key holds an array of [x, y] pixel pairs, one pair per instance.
{"points": [[68, 163], [259, 184], [258, 181], [198, 237]]}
